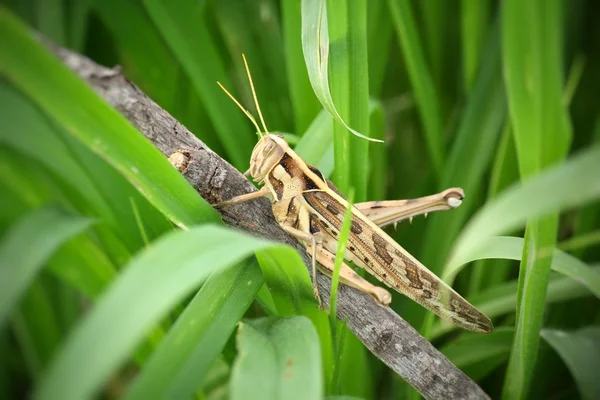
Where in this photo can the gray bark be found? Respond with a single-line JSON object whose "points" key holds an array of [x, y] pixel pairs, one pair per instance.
{"points": [[381, 330]]}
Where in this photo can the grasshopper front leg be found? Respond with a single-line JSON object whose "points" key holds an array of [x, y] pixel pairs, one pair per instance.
{"points": [[264, 191], [384, 213]]}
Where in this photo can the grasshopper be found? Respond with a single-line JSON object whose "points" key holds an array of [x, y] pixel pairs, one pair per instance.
{"points": [[311, 208]]}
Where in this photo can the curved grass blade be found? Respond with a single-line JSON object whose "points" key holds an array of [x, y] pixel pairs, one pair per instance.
{"points": [[153, 282], [305, 105], [186, 354], [277, 359], [26, 247], [315, 46], [570, 184], [511, 248], [579, 351]]}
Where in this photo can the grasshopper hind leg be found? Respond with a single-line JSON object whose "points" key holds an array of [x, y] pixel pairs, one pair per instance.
{"points": [[350, 278]]}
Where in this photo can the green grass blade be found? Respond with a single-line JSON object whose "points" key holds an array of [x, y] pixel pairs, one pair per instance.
{"points": [[571, 184], [579, 351], [186, 354], [151, 284], [355, 87], [290, 288], [315, 46], [93, 122], [27, 246], [511, 248], [93, 186], [532, 56], [277, 359], [421, 80], [305, 104], [183, 27]]}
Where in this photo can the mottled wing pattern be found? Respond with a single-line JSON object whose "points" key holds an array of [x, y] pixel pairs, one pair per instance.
{"points": [[385, 259]]}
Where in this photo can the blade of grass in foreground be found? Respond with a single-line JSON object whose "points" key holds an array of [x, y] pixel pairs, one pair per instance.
{"points": [[277, 359], [199, 335], [74, 106], [153, 282], [26, 247]]}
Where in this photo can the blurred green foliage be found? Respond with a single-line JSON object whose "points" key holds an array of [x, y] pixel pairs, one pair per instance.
{"points": [[100, 292]]}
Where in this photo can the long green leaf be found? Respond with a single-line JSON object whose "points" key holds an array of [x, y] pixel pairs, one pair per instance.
{"points": [[88, 118], [27, 246], [277, 359], [186, 354], [153, 282]]}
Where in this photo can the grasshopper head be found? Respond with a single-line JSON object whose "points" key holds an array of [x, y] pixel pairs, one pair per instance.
{"points": [[266, 154]]}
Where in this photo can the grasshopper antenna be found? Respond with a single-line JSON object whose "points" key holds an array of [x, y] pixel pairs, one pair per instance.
{"points": [[250, 117], [262, 120]]}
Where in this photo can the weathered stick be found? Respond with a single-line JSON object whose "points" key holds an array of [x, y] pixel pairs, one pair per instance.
{"points": [[381, 330]]}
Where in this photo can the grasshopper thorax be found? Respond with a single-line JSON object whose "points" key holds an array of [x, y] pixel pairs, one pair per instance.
{"points": [[266, 155]]}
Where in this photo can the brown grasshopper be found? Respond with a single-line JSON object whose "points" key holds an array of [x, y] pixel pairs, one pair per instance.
{"points": [[311, 208]]}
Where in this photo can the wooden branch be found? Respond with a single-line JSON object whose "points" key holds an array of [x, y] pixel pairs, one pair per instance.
{"points": [[381, 330]]}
